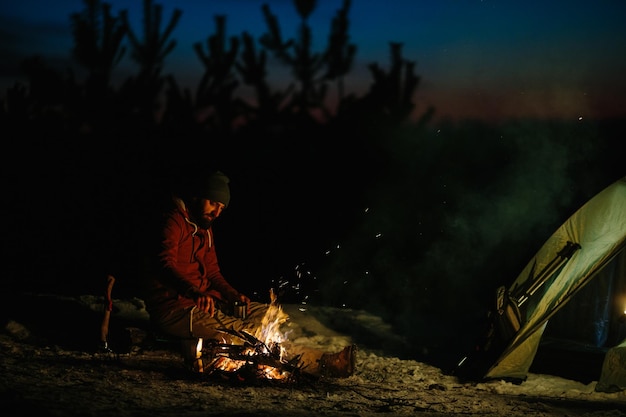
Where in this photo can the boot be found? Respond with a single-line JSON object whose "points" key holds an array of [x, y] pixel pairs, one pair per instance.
{"points": [[340, 364]]}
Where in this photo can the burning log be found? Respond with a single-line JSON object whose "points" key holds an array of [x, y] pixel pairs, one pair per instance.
{"points": [[251, 362], [259, 356]]}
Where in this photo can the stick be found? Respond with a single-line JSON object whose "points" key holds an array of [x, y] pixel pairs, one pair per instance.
{"points": [[108, 307]]}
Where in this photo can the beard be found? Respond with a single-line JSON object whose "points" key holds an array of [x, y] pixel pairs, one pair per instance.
{"points": [[198, 216], [205, 222]]}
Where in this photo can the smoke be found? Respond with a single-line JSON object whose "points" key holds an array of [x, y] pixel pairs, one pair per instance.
{"points": [[461, 211]]}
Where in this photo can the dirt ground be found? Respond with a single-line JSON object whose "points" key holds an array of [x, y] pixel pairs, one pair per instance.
{"points": [[43, 378]]}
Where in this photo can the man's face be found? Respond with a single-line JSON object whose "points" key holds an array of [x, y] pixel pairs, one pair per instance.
{"points": [[206, 211]]}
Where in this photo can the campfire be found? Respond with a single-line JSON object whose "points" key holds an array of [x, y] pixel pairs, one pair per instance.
{"points": [[260, 356]]}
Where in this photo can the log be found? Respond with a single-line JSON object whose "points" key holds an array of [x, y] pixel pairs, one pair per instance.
{"points": [[254, 354]]}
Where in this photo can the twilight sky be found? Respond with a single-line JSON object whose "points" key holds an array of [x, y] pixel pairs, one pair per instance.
{"points": [[483, 59]]}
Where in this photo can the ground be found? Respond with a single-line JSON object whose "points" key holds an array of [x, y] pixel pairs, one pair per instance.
{"points": [[45, 377]]}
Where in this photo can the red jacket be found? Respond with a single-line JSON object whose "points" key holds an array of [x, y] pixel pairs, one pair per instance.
{"points": [[187, 264]]}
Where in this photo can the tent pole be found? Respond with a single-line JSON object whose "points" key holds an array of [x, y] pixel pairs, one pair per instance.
{"points": [[562, 256]]}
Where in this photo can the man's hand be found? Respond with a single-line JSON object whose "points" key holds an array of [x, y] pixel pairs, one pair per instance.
{"points": [[244, 299], [205, 303]]}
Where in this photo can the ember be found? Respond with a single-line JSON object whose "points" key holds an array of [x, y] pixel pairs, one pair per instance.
{"points": [[259, 357]]}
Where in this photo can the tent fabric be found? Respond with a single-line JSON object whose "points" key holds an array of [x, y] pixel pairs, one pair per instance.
{"points": [[593, 318], [613, 376], [599, 227]]}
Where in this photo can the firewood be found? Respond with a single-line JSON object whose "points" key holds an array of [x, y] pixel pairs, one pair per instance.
{"points": [[254, 356]]}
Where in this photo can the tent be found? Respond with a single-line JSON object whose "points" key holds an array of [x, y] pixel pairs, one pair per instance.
{"points": [[588, 248]]}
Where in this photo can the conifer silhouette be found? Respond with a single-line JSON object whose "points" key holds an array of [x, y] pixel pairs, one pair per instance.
{"points": [[98, 47], [150, 51]]}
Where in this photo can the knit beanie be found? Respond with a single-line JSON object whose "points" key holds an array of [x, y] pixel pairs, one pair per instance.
{"points": [[215, 188]]}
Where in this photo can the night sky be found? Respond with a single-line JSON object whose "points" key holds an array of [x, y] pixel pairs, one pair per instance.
{"points": [[482, 59]]}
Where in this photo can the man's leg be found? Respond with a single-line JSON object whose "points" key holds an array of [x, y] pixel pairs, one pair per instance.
{"points": [[211, 327], [320, 363]]}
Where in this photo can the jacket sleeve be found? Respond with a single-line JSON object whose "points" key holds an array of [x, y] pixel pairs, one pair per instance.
{"points": [[216, 279], [175, 257]]}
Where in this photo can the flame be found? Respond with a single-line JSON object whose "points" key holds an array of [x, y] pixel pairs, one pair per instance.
{"points": [[269, 331], [271, 337]]}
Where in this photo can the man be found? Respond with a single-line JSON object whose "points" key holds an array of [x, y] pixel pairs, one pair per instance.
{"points": [[189, 297]]}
